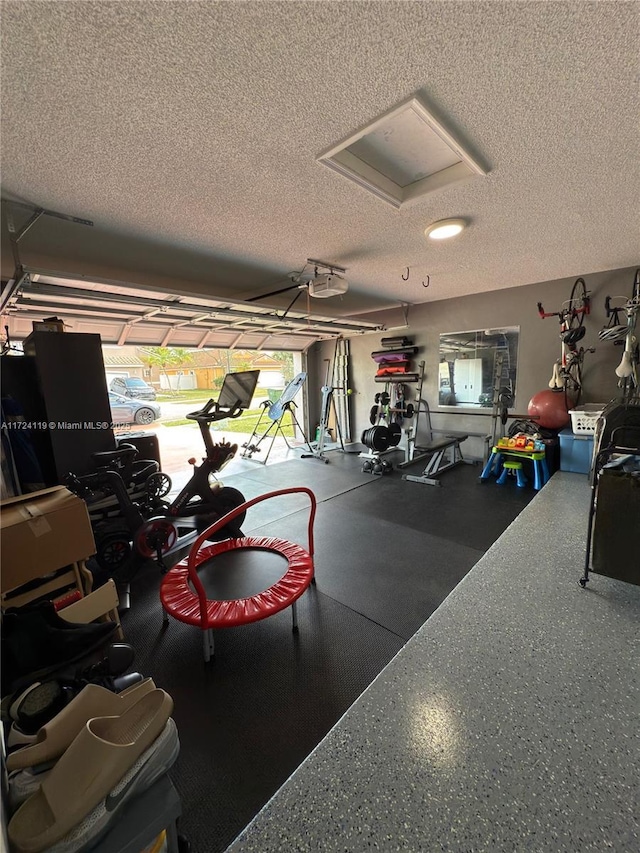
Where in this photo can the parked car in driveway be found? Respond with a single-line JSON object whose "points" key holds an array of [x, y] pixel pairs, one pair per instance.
{"points": [[125, 410], [132, 386]]}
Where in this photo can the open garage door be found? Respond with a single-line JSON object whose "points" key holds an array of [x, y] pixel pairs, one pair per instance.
{"points": [[122, 313]]}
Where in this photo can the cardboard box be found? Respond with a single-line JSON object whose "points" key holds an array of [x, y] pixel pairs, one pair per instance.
{"points": [[49, 324], [42, 532]]}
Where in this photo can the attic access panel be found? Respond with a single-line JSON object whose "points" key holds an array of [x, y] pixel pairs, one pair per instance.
{"points": [[402, 156], [123, 313]]}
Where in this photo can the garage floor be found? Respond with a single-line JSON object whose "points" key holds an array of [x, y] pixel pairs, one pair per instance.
{"points": [[388, 552]]}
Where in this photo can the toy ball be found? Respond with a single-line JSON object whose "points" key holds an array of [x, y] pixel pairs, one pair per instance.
{"points": [[549, 408]]}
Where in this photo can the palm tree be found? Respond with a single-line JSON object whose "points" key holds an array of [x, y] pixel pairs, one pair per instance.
{"points": [[164, 357], [286, 358]]}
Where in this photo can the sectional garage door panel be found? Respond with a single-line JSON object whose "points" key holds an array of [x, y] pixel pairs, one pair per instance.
{"points": [[130, 314]]}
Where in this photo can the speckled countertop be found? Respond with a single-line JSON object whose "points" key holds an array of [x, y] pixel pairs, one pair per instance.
{"points": [[509, 722]]}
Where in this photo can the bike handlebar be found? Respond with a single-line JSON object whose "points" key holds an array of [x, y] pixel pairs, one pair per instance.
{"points": [[108, 458], [544, 314], [205, 415], [567, 312]]}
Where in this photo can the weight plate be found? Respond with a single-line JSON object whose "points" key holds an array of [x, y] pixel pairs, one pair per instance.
{"points": [[409, 411], [373, 414], [395, 434], [377, 438], [380, 438]]}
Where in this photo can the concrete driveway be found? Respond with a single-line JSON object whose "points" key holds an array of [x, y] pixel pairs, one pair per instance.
{"points": [[178, 444]]}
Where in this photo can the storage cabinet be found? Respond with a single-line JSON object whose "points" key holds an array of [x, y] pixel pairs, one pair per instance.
{"points": [[62, 390], [467, 380]]}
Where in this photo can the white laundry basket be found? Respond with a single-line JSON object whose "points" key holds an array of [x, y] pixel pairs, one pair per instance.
{"points": [[584, 418]]}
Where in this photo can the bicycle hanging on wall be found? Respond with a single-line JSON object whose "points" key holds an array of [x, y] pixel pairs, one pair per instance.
{"points": [[621, 329], [567, 370]]}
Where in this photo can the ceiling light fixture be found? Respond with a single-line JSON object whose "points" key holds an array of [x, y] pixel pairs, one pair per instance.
{"points": [[445, 228]]}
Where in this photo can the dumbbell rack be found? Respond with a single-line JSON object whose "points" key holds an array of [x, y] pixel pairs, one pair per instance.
{"points": [[386, 432]]}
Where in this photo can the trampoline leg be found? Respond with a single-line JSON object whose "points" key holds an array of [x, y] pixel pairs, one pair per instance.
{"points": [[165, 618], [294, 615], [207, 642]]}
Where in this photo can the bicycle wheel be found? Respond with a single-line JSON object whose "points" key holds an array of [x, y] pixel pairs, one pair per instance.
{"points": [[578, 304], [573, 381]]}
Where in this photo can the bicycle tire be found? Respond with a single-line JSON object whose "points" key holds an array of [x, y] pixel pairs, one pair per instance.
{"points": [[573, 384], [578, 294]]}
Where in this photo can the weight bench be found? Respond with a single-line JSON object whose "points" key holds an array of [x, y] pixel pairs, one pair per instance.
{"points": [[442, 454], [183, 596]]}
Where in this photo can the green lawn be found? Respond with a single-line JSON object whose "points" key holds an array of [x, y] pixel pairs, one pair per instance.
{"points": [[245, 423], [193, 395]]}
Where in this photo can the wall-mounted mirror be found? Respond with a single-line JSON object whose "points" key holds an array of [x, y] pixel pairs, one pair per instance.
{"points": [[473, 364]]}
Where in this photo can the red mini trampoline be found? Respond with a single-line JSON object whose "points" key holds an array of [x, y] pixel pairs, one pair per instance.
{"points": [[183, 596]]}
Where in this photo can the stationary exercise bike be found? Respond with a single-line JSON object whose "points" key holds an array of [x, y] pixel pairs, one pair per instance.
{"points": [[154, 528]]}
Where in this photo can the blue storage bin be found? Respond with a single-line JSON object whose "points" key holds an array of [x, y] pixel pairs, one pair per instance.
{"points": [[575, 452]]}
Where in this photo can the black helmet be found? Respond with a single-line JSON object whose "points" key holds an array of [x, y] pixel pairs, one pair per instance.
{"points": [[572, 336]]}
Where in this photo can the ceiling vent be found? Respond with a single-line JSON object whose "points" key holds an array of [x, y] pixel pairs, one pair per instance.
{"points": [[402, 156], [323, 286]]}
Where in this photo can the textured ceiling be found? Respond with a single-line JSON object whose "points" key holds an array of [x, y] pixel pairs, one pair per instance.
{"points": [[188, 133]]}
